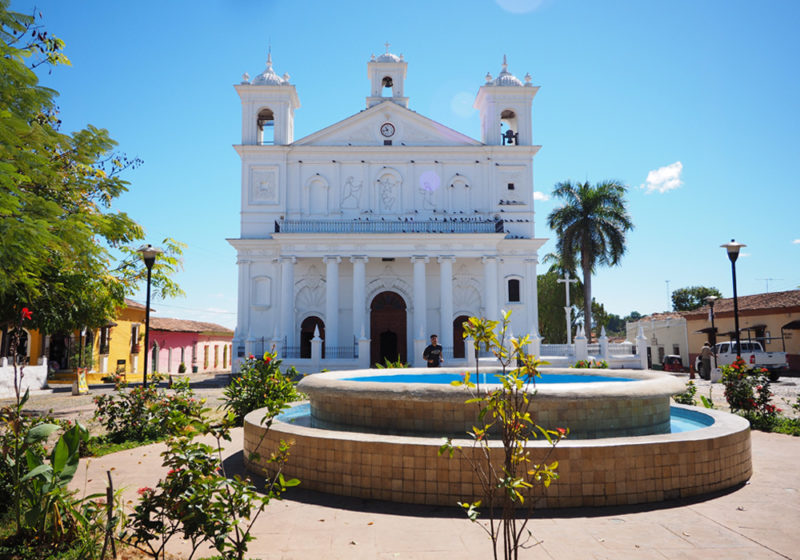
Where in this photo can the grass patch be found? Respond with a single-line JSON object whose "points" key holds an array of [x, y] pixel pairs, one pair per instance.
{"points": [[99, 446]]}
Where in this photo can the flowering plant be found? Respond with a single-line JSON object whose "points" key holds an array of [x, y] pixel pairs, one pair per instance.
{"points": [[260, 384], [594, 364], [747, 390], [145, 413]]}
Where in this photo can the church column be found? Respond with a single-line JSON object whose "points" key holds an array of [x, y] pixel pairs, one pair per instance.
{"points": [[331, 300], [532, 295], [244, 299], [359, 293], [446, 309], [287, 299], [491, 308], [420, 301]]}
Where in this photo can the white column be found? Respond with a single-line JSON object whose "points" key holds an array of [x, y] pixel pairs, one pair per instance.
{"points": [[532, 303], [420, 301], [287, 299], [491, 307], [359, 293], [331, 300], [243, 319], [446, 309]]}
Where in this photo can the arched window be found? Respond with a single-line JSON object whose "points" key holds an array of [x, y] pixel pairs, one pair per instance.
{"points": [[508, 127], [307, 328], [387, 84], [513, 291], [266, 127]]}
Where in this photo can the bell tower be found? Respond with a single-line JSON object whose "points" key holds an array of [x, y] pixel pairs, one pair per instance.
{"points": [[386, 73], [505, 106], [268, 105]]}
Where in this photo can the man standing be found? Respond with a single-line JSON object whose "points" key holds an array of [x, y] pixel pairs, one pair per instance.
{"points": [[433, 352], [705, 361]]}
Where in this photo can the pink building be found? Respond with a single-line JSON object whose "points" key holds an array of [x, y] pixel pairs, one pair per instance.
{"points": [[202, 347]]}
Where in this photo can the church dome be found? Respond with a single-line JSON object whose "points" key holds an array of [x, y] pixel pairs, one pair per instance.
{"points": [[506, 78], [388, 57], [268, 77]]}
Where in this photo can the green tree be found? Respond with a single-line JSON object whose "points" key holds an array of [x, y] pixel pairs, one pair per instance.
{"points": [[693, 297], [591, 228], [552, 299], [65, 252]]}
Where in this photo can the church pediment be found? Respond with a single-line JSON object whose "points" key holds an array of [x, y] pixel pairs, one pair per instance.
{"points": [[387, 122]]}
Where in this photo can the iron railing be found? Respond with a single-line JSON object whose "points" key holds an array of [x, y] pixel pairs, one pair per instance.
{"points": [[405, 225]]}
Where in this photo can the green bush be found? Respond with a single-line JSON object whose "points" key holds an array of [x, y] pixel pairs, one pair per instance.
{"points": [[593, 364], [145, 413], [687, 397], [260, 384], [748, 392]]}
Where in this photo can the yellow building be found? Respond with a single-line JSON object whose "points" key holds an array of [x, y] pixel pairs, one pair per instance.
{"points": [[773, 319], [114, 347]]}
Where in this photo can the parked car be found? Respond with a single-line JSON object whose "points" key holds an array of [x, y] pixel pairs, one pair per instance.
{"points": [[672, 362], [752, 353]]}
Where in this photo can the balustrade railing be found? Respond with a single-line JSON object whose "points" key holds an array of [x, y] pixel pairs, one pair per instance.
{"points": [[556, 349], [622, 349], [405, 225]]}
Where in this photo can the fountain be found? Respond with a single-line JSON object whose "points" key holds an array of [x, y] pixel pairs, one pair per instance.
{"points": [[372, 436]]}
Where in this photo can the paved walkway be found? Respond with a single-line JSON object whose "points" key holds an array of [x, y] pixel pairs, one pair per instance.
{"points": [[760, 520]]}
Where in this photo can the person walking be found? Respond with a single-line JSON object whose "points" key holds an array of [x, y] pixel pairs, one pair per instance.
{"points": [[433, 352]]}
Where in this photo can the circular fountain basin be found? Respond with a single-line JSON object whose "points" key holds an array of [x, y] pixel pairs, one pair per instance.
{"points": [[706, 451], [596, 404]]}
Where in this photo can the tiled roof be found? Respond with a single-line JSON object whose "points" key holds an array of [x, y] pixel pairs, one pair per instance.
{"points": [[184, 325], [663, 316], [756, 302], [130, 304]]}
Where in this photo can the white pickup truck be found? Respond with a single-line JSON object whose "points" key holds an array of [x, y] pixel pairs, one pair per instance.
{"points": [[752, 353]]}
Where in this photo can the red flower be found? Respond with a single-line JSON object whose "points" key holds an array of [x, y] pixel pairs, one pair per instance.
{"points": [[144, 490], [252, 357], [267, 359], [26, 313], [561, 431]]}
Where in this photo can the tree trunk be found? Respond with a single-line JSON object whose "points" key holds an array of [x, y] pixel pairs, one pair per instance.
{"points": [[587, 295]]}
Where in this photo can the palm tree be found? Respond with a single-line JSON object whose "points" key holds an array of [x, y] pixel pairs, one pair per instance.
{"points": [[592, 223]]}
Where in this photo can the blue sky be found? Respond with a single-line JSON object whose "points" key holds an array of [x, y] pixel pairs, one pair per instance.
{"points": [[693, 105]]}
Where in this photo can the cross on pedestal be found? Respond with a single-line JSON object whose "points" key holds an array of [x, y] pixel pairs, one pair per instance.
{"points": [[567, 281], [386, 44]]}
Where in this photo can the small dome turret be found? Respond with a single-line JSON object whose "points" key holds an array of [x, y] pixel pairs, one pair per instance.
{"points": [[268, 77], [506, 78]]}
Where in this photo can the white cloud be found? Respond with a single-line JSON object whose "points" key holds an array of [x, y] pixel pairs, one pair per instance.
{"points": [[543, 196], [664, 178], [796, 241], [743, 255], [461, 104]]}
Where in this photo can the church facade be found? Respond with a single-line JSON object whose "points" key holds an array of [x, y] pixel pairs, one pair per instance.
{"points": [[366, 237]]}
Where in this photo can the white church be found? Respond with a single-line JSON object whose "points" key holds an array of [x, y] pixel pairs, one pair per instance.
{"points": [[362, 239]]}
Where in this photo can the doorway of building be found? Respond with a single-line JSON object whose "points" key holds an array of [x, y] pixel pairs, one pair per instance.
{"points": [[458, 336], [307, 328], [387, 322]]}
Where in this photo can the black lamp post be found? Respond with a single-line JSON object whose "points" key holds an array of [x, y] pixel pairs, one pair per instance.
{"points": [[710, 301], [733, 253], [149, 254]]}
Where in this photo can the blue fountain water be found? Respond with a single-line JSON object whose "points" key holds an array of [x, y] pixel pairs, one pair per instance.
{"points": [[681, 419], [445, 378]]}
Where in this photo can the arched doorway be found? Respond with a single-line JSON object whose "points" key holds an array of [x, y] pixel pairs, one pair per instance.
{"points": [[458, 336], [387, 322], [307, 328]]}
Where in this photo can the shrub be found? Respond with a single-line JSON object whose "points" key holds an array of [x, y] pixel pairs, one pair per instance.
{"points": [[260, 384], [687, 397], [145, 413], [198, 501], [594, 364], [748, 392], [510, 484]]}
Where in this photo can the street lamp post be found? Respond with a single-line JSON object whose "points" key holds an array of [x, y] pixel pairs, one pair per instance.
{"points": [[710, 301], [733, 253], [149, 254]]}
